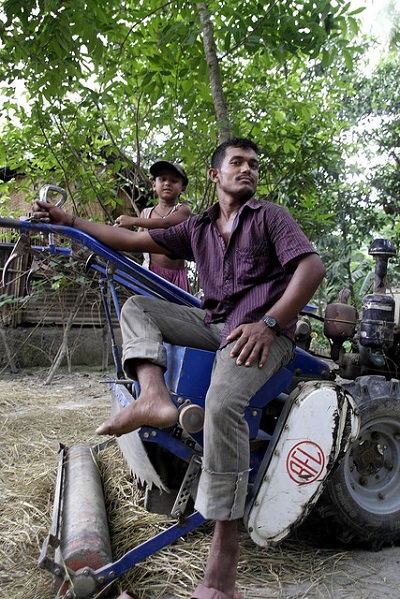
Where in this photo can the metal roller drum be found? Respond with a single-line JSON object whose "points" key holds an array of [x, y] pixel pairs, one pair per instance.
{"points": [[85, 541]]}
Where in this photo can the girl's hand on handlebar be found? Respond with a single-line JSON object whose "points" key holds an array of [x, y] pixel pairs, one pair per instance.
{"points": [[125, 221]]}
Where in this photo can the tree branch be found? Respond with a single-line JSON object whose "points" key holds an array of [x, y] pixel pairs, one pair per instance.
{"points": [[217, 92]]}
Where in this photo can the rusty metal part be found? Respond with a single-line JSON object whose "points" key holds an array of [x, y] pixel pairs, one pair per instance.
{"points": [[79, 531], [340, 321], [85, 538]]}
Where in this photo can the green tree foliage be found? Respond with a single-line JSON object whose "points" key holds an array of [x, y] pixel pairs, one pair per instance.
{"points": [[117, 84], [110, 86], [378, 107], [374, 107]]}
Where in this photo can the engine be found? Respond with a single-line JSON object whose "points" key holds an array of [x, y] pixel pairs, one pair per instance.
{"points": [[373, 333]]}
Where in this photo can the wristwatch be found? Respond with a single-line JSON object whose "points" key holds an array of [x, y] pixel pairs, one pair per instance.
{"points": [[272, 323]]}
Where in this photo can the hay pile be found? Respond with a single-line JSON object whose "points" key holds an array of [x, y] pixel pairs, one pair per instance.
{"points": [[34, 417]]}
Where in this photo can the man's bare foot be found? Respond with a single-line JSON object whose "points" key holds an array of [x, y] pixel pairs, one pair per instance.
{"points": [[159, 413]]}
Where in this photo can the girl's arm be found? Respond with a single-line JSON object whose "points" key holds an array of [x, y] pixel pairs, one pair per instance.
{"points": [[156, 222]]}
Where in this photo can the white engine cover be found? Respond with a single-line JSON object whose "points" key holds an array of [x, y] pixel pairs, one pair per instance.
{"points": [[316, 427]]}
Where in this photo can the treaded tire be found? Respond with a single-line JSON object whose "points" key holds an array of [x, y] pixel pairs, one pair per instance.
{"points": [[361, 501]]}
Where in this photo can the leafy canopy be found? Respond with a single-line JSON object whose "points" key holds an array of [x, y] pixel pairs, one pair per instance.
{"points": [[110, 86]]}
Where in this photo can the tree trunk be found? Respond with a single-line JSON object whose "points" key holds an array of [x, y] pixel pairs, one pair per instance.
{"points": [[214, 73]]}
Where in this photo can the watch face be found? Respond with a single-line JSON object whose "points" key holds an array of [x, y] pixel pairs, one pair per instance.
{"points": [[271, 323]]}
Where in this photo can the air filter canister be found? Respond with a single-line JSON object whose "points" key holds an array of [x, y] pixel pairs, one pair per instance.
{"points": [[377, 321]]}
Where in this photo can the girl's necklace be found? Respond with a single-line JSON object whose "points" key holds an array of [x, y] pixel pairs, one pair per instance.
{"points": [[165, 215]]}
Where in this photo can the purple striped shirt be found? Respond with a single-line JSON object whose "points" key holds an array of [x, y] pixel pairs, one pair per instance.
{"points": [[242, 280]]}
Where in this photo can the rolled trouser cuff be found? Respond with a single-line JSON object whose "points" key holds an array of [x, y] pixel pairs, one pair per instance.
{"points": [[143, 349], [222, 496]]}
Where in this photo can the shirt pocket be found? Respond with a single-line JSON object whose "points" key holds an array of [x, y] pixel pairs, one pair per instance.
{"points": [[251, 263]]}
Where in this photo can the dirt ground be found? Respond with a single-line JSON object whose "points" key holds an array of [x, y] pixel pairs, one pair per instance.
{"points": [[34, 417]]}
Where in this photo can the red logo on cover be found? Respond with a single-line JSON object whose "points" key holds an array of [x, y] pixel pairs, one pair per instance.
{"points": [[305, 462]]}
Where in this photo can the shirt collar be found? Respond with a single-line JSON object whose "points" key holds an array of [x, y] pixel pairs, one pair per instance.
{"points": [[211, 214]]}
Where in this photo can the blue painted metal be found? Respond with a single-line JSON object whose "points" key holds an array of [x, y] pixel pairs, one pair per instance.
{"points": [[164, 439], [144, 550], [187, 377], [114, 345], [128, 271], [307, 365], [189, 370], [272, 388]]}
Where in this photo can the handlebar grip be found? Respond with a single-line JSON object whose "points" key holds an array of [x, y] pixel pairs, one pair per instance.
{"points": [[54, 188]]}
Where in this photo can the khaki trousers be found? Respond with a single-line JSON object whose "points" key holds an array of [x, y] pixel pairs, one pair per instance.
{"points": [[145, 324]]}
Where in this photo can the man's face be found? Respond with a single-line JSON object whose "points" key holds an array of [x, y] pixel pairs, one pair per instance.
{"points": [[168, 185], [238, 174]]}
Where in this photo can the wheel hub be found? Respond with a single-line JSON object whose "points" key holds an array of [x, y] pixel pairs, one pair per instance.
{"points": [[369, 457], [372, 466]]}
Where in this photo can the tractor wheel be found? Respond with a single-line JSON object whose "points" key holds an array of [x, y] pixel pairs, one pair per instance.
{"points": [[361, 502]]}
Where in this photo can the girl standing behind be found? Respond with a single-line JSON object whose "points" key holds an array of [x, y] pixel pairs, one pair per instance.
{"points": [[169, 181]]}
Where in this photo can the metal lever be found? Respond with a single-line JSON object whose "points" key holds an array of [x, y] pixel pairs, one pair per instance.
{"points": [[54, 188], [43, 198]]}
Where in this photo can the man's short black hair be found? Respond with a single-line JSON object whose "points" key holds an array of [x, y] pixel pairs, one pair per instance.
{"points": [[235, 142]]}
